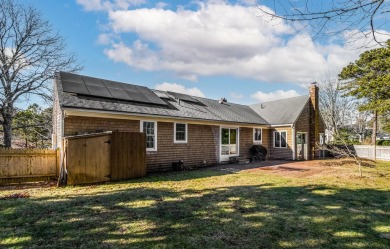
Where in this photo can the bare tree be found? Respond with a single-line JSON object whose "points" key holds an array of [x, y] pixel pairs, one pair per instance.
{"points": [[343, 151], [336, 109], [329, 17], [30, 53]]}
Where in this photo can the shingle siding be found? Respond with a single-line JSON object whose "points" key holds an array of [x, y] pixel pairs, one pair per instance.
{"points": [[281, 153], [246, 141], [202, 145]]}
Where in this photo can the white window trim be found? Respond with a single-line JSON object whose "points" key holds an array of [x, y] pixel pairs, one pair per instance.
{"points": [[220, 141], [253, 136], [322, 139], [174, 133], [155, 133], [273, 141]]}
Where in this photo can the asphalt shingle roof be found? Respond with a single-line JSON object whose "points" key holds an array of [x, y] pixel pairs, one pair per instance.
{"points": [[283, 111]]}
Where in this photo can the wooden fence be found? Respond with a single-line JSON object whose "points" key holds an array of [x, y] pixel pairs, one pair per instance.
{"points": [[367, 151], [103, 157], [28, 165]]}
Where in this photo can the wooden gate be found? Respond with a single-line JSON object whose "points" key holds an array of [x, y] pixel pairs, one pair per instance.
{"points": [[128, 155], [88, 159], [104, 157]]}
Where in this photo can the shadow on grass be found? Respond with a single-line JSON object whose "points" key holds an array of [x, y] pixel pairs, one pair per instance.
{"points": [[215, 170], [260, 216]]}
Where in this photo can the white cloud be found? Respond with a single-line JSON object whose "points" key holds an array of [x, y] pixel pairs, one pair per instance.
{"points": [[108, 5], [278, 94], [105, 39], [218, 38], [235, 95], [161, 5], [174, 87]]}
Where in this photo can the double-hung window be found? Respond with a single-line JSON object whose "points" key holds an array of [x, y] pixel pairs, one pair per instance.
{"points": [[150, 128], [280, 139], [180, 133], [257, 135]]}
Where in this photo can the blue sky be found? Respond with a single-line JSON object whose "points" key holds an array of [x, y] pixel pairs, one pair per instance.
{"points": [[207, 48]]}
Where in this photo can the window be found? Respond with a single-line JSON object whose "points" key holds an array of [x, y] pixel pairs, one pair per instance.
{"points": [[180, 133], [150, 128], [280, 139], [322, 138], [257, 135]]}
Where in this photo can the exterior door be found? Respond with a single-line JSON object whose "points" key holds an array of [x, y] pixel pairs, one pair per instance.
{"points": [[229, 143], [301, 146]]}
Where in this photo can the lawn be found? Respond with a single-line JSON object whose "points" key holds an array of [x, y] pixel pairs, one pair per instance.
{"points": [[209, 208]]}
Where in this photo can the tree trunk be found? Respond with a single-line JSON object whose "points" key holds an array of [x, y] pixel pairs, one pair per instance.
{"points": [[7, 128], [374, 128]]}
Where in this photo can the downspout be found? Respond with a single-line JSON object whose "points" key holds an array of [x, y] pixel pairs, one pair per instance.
{"points": [[293, 141], [62, 128]]}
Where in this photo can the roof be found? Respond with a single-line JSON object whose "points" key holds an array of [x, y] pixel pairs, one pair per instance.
{"points": [[173, 105], [204, 109], [283, 111]]}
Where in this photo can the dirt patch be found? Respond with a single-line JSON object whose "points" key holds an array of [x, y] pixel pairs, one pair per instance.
{"points": [[34, 185], [297, 169], [285, 168]]}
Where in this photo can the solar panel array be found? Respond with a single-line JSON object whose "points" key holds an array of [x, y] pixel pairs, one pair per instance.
{"points": [[85, 85], [183, 97]]}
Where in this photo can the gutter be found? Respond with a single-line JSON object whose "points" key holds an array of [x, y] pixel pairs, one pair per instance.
{"points": [[124, 115]]}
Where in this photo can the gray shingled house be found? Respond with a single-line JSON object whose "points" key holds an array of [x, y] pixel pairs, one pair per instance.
{"points": [[195, 130]]}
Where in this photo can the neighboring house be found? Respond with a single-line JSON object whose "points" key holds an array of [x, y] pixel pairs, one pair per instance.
{"points": [[199, 131]]}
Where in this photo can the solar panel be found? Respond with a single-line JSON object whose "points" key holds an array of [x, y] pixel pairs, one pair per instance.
{"points": [[93, 81], [99, 91], [131, 88], [113, 84], [137, 96], [183, 97], [71, 77], [152, 97], [119, 94], [74, 87], [108, 89]]}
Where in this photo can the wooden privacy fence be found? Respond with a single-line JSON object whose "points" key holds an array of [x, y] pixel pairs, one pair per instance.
{"points": [[367, 151], [27, 165], [104, 157]]}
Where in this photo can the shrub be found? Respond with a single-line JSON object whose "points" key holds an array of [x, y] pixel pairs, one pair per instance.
{"points": [[259, 151], [380, 142], [386, 143]]}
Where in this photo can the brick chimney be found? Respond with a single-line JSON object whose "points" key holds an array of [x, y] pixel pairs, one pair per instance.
{"points": [[314, 119]]}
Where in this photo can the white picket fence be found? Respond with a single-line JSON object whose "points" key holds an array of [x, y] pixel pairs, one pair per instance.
{"points": [[367, 151]]}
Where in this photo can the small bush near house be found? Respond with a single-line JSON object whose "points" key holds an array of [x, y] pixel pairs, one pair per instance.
{"points": [[259, 151]]}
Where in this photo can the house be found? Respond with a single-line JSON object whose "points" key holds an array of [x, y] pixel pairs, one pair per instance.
{"points": [[198, 131]]}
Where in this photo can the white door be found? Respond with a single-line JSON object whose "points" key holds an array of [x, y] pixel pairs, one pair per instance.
{"points": [[229, 143], [301, 146]]}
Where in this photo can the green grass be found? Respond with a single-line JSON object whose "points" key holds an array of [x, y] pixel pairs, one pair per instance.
{"points": [[206, 209]]}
